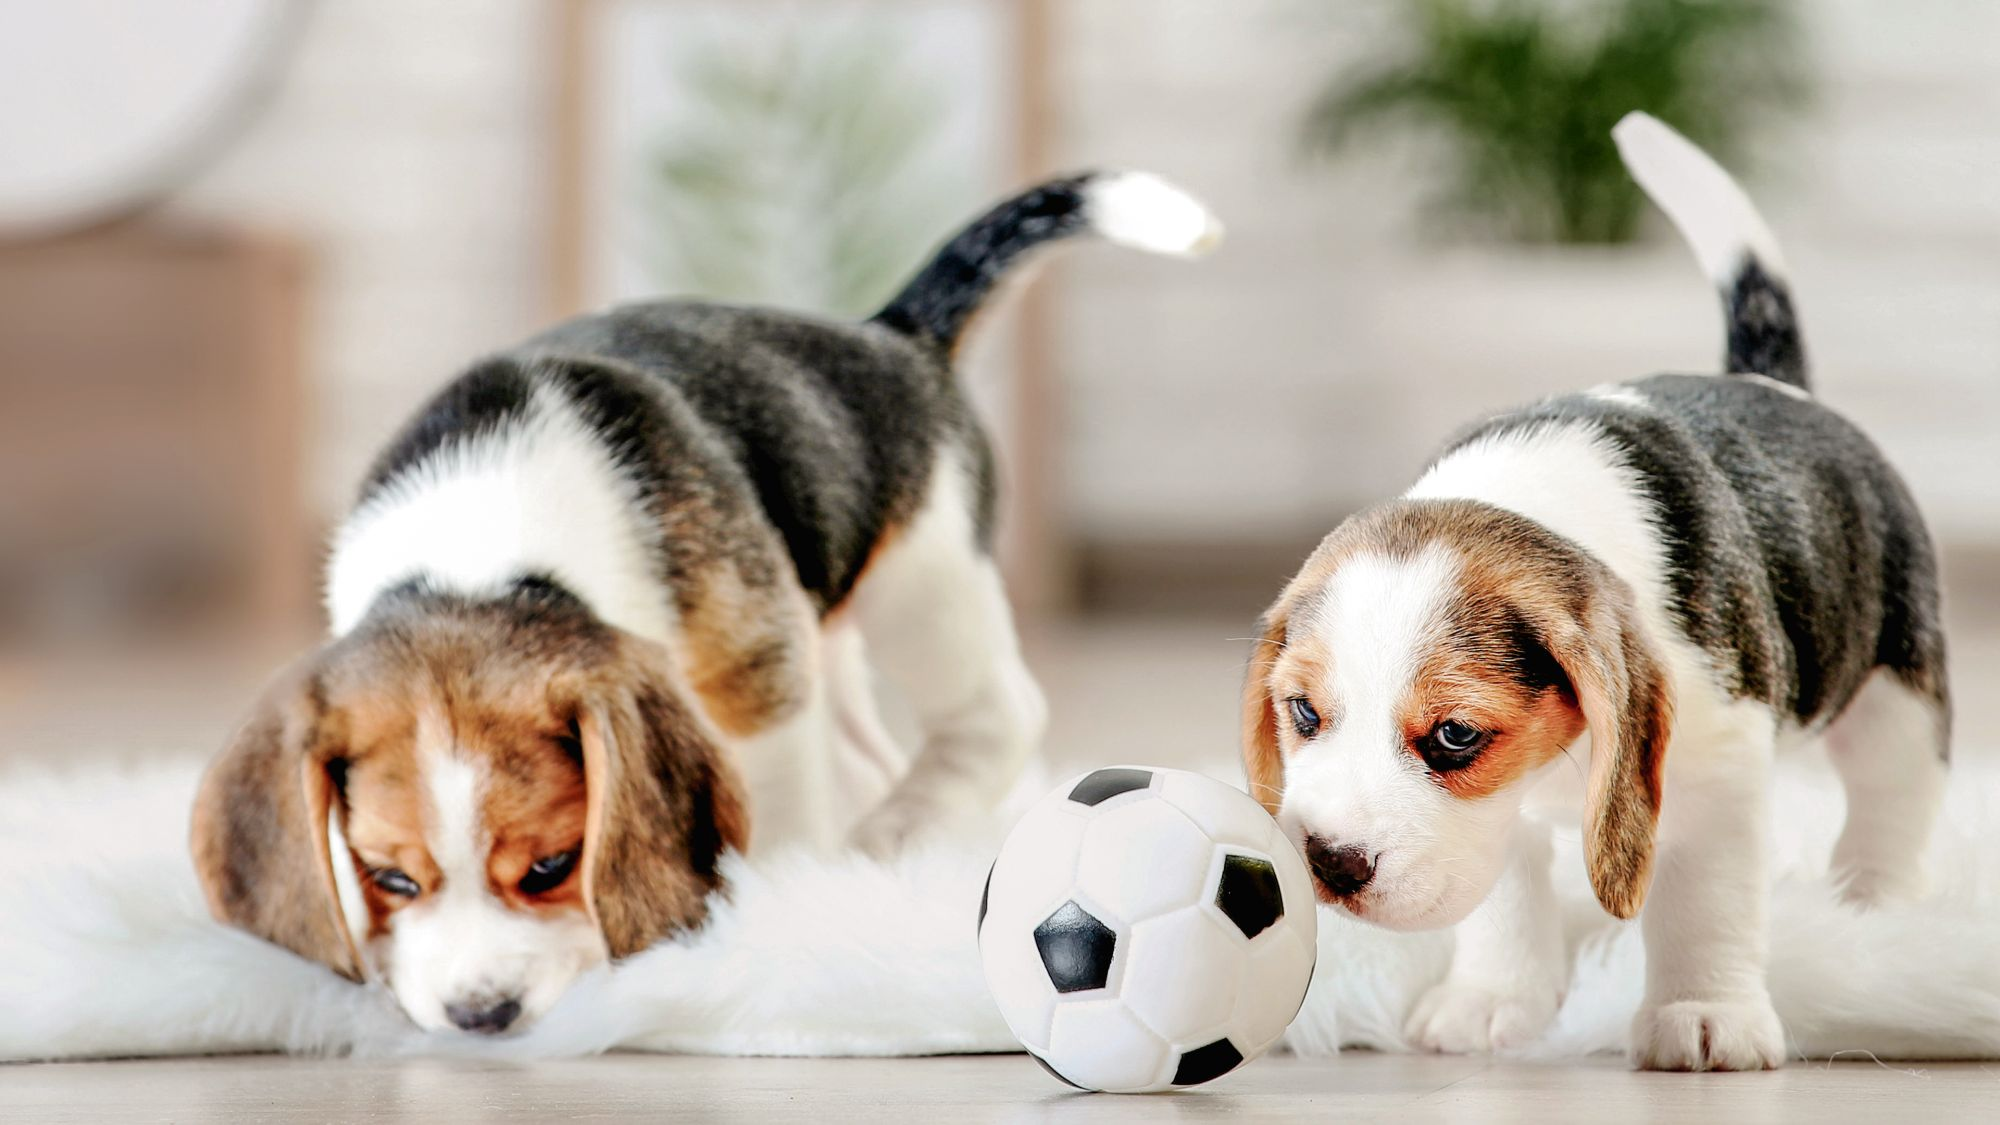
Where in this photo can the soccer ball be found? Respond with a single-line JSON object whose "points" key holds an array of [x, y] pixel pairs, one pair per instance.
{"points": [[1147, 928]]}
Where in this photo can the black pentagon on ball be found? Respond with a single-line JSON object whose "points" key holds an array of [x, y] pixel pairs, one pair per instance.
{"points": [[1076, 949], [1206, 1064], [1102, 785], [1249, 893], [1044, 1064]]}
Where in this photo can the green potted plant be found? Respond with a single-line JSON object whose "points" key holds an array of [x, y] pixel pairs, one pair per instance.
{"points": [[1522, 95]]}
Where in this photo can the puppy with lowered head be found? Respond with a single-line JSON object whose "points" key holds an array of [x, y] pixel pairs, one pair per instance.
{"points": [[605, 609], [1693, 570]]}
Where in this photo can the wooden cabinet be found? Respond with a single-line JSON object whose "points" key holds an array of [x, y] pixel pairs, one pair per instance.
{"points": [[150, 429]]}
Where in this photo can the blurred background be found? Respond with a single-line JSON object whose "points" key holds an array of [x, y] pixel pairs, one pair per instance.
{"points": [[240, 240]]}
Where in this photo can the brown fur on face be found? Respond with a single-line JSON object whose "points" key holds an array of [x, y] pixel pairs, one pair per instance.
{"points": [[533, 806], [1277, 671], [585, 739], [1492, 669], [1538, 642], [537, 807]]}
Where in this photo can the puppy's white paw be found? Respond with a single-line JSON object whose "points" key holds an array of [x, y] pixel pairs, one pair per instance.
{"points": [[1456, 1018], [1869, 888], [1734, 1034]]}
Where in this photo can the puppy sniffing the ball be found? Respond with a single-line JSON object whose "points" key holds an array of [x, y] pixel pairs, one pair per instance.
{"points": [[1695, 570], [605, 609]]}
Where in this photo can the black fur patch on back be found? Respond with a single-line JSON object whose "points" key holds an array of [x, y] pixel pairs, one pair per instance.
{"points": [[491, 396], [834, 428], [1763, 327], [1795, 555]]}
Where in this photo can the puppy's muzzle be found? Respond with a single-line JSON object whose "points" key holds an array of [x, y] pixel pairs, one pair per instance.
{"points": [[1343, 870]]}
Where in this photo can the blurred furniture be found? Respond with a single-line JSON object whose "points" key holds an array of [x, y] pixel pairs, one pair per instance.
{"points": [[150, 426]]}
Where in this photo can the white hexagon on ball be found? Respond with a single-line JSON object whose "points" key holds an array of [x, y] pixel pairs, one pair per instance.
{"points": [[1219, 810], [1051, 839], [1143, 859], [1184, 973], [1104, 1047], [1147, 928]]}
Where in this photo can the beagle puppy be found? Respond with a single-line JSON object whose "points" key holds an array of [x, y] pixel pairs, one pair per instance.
{"points": [[1694, 570], [605, 604]]}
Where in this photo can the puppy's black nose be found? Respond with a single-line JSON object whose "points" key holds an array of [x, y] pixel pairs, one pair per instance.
{"points": [[487, 1017], [1344, 870]]}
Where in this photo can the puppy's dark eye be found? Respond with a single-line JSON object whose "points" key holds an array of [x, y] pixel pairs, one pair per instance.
{"points": [[1305, 719], [571, 744], [394, 881], [548, 873], [1451, 745]]}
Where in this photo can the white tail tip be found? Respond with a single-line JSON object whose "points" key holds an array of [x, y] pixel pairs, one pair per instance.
{"points": [[1145, 212], [1704, 202]]}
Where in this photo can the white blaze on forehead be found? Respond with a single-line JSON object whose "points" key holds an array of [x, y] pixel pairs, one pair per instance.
{"points": [[1571, 480], [1378, 617], [457, 832], [459, 942], [1435, 854]]}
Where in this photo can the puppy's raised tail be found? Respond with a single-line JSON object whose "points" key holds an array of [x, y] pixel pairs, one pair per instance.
{"points": [[1730, 240], [1136, 209]]}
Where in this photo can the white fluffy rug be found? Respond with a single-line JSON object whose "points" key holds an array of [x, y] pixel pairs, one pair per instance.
{"points": [[106, 950]]}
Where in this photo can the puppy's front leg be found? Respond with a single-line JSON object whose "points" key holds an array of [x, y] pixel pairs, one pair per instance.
{"points": [[1706, 1006], [1507, 970]]}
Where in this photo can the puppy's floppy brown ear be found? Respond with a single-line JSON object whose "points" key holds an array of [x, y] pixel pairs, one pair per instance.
{"points": [[663, 806], [259, 833], [1263, 764], [1622, 689]]}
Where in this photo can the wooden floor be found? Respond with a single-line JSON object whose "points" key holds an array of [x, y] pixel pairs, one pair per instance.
{"points": [[1356, 1087]]}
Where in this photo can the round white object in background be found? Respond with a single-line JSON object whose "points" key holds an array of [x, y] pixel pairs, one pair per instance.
{"points": [[1147, 928], [105, 104]]}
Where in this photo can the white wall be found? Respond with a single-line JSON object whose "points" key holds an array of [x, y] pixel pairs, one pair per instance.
{"points": [[1313, 364], [406, 147], [1309, 367], [409, 145]]}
